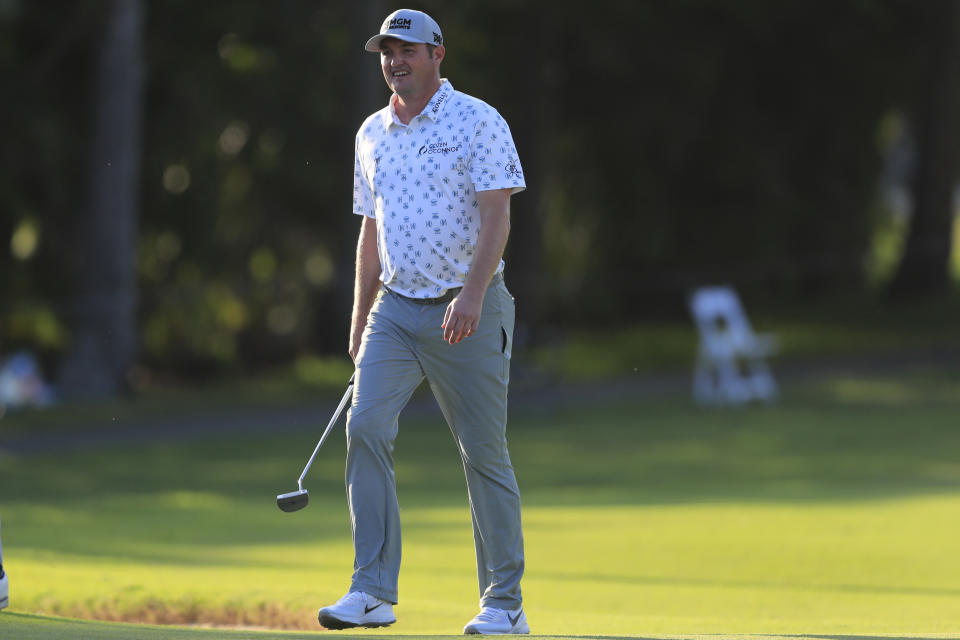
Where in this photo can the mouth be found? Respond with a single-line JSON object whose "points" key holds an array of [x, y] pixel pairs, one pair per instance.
{"points": [[400, 74]]}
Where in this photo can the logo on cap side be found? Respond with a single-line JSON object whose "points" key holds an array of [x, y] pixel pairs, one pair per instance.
{"points": [[401, 23], [437, 38]]}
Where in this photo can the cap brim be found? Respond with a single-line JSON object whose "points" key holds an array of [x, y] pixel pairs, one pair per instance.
{"points": [[373, 44]]}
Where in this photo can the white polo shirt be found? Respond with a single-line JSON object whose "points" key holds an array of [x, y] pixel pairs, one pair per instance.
{"points": [[419, 181]]}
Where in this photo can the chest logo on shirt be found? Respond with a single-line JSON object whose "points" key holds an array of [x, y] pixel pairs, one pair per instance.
{"points": [[442, 147]]}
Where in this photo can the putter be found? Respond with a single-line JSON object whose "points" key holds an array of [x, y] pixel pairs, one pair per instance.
{"points": [[296, 500]]}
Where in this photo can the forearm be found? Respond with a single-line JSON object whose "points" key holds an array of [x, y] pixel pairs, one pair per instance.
{"points": [[366, 283], [463, 314], [491, 242]]}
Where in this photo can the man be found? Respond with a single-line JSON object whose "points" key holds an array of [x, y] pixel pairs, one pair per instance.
{"points": [[434, 172]]}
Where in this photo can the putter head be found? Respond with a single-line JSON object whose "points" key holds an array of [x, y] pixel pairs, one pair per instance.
{"points": [[293, 501]]}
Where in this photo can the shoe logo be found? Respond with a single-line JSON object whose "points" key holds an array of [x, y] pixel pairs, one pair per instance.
{"points": [[513, 621], [367, 609]]}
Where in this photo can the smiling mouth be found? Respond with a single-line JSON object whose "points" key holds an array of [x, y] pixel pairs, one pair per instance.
{"points": [[400, 74]]}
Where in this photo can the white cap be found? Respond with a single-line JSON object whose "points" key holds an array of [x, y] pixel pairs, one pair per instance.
{"points": [[407, 25]]}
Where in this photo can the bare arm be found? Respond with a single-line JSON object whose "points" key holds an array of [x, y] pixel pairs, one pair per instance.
{"points": [[463, 313], [367, 283]]}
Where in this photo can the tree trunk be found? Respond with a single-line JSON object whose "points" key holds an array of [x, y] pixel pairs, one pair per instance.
{"points": [[925, 263], [102, 303]]}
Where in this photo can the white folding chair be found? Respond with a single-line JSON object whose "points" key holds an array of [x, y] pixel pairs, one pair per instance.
{"points": [[731, 366]]}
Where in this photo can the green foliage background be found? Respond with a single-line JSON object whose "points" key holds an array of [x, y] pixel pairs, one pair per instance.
{"points": [[666, 145]]}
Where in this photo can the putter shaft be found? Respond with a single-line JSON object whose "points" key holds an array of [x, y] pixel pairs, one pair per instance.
{"points": [[326, 432]]}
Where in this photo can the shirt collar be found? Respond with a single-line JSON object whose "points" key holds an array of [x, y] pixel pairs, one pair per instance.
{"points": [[433, 110], [439, 100]]}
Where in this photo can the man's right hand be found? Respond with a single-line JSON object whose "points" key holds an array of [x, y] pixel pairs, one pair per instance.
{"points": [[356, 337]]}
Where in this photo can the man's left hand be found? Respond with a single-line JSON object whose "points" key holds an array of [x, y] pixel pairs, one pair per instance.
{"points": [[462, 318]]}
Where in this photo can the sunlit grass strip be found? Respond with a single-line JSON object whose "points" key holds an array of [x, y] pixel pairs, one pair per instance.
{"points": [[832, 513], [876, 566]]}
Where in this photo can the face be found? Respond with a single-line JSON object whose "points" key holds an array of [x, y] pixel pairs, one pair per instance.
{"points": [[408, 68]]}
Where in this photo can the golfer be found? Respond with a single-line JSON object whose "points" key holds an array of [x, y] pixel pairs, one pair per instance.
{"points": [[434, 172]]}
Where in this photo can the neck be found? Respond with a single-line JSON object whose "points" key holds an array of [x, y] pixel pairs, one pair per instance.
{"points": [[408, 107]]}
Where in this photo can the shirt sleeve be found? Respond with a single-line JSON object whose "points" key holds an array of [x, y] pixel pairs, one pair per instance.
{"points": [[494, 163], [363, 201]]}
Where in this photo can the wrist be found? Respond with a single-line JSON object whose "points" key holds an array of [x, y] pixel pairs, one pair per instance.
{"points": [[471, 294]]}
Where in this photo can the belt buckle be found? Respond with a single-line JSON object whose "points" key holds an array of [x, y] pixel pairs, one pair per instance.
{"points": [[449, 295], [446, 297]]}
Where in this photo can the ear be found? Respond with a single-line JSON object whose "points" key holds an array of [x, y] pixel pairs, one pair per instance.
{"points": [[439, 53]]}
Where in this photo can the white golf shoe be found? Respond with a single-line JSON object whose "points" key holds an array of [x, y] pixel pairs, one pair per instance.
{"points": [[4, 591], [357, 609], [491, 621]]}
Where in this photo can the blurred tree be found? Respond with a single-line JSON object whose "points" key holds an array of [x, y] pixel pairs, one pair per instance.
{"points": [[708, 141], [247, 221], [924, 267], [366, 92], [102, 301], [665, 145], [45, 58]]}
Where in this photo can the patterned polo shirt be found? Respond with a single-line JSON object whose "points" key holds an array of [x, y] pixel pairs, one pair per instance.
{"points": [[419, 181]]}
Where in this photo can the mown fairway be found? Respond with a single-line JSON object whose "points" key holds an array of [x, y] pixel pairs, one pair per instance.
{"points": [[835, 512]]}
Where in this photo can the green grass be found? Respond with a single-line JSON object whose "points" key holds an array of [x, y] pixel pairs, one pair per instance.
{"points": [[833, 513], [32, 627]]}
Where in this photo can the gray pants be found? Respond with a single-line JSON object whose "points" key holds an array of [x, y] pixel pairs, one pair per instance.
{"points": [[402, 344]]}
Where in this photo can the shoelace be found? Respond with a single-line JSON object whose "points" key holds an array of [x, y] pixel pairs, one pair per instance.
{"points": [[351, 597], [489, 614]]}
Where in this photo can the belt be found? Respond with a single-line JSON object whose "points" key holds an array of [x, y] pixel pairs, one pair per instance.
{"points": [[446, 297]]}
